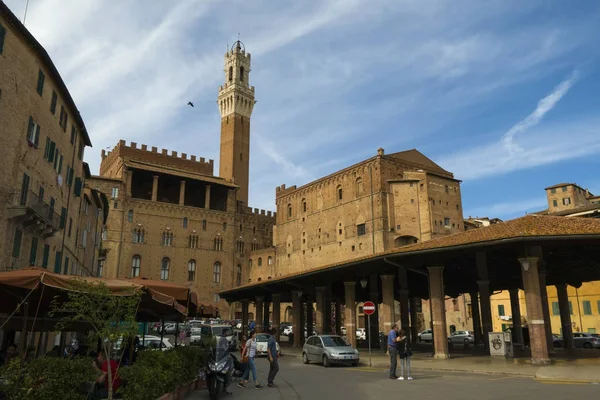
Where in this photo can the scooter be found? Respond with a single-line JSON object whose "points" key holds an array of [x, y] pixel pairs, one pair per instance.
{"points": [[219, 370]]}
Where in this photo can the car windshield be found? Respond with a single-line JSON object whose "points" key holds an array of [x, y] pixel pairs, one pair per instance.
{"points": [[218, 330], [596, 335], [334, 341], [262, 338]]}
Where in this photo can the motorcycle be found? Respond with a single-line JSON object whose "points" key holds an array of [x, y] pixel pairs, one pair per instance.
{"points": [[219, 371]]}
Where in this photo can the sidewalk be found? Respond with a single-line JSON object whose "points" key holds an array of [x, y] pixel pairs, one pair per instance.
{"points": [[581, 370]]}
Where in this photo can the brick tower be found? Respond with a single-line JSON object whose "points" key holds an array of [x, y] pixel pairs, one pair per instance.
{"points": [[236, 101]]}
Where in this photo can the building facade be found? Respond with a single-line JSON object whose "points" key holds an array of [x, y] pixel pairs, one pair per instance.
{"points": [[43, 144], [172, 219]]}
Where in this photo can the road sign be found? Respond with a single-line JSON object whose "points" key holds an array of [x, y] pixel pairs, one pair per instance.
{"points": [[369, 308]]}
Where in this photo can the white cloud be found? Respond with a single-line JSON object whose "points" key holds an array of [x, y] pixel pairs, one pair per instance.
{"points": [[510, 209]]}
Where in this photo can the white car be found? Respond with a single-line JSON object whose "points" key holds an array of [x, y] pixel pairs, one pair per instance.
{"points": [[153, 343], [261, 344], [287, 330], [425, 336]]}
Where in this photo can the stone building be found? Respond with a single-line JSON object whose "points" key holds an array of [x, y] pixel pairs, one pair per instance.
{"points": [[173, 219], [43, 142]]}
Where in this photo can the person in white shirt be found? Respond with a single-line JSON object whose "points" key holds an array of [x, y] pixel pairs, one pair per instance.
{"points": [[250, 353]]}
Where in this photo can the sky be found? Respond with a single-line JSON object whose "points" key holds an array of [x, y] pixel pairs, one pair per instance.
{"points": [[503, 93]]}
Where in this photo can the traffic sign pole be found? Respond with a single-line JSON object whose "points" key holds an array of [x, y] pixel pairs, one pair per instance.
{"points": [[368, 310], [369, 333]]}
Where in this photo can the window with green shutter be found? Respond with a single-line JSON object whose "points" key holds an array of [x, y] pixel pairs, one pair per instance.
{"points": [[40, 82], [47, 149], [63, 218], [501, 310], [33, 251], [16, 251], [58, 262], [24, 190], [51, 151], [587, 307], [555, 308], [77, 188], [45, 256], [53, 102], [2, 35], [73, 134], [598, 307], [66, 269], [51, 209]]}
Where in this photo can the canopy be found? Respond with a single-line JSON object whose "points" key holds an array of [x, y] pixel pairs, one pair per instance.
{"points": [[184, 295]]}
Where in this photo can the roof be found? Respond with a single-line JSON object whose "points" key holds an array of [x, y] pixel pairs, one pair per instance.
{"points": [[415, 157], [178, 172], [576, 210], [41, 52], [559, 185], [529, 226]]}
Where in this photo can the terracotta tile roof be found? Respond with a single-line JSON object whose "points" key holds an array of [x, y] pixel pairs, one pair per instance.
{"points": [[527, 226], [414, 156]]}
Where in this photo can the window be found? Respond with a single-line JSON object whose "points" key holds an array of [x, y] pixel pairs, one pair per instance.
{"points": [[193, 241], [86, 206], [340, 193], [216, 298], [500, 306], [304, 205], [446, 189], [57, 262], [66, 267], [63, 218], [51, 208], [130, 216], [136, 262], [241, 74], [566, 201], [115, 193], [598, 305], [204, 225], [33, 133], [101, 269], [555, 203], [361, 229], [240, 246], [53, 103], [84, 234], [73, 134], [553, 190], [269, 260], [218, 243], [40, 82], [230, 74], [185, 222], [81, 149], [45, 256], [63, 118], [289, 211], [2, 34], [24, 190], [359, 186], [238, 274], [138, 234], [564, 188], [16, 251], [447, 222], [77, 187], [217, 272], [164, 269], [587, 307], [250, 266], [167, 237], [192, 270], [555, 308], [259, 262], [224, 226]]}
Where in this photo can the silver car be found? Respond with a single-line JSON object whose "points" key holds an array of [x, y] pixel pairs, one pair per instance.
{"points": [[462, 337], [329, 349]]}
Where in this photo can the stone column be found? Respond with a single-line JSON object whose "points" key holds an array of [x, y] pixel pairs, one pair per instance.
{"points": [[182, 192], [207, 197], [320, 316], [338, 316], [546, 311], [155, 188], [475, 314], [129, 179], [535, 315], [310, 327], [388, 313], [258, 318], [245, 317], [296, 318], [266, 319], [515, 310], [565, 316], [276, 313], [414, 317], [438, 312], [486, 311], [350, 317]]}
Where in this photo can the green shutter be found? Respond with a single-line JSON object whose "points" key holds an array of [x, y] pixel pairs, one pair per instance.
{"points": [[57, 262], [16, 252], [40, 84], [60, 161], [51, 151], [53, 103], [73, 133], [45, 256], [555, 308], [587, 307], [501, 310], [66, 270], [2, 34], [36, 140], [63, 218], [47, 149], [33, 251], [24, 190], [56, 156], [30, 129], [77, 189], [598, 307]]}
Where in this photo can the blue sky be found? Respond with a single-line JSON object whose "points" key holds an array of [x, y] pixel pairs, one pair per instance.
{"points": [[505, 94]]}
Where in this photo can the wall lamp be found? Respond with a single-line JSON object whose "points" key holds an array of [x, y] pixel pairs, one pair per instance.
{"points": [[363, 283]]}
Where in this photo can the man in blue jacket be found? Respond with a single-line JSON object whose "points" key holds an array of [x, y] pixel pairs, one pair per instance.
{"points": [[392, 342]]}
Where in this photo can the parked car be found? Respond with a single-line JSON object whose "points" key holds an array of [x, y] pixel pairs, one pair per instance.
{"points": [[287, 330], [261, 344], [153, 343], [329, 349], [204, 334], [462, 337], [425, 336], [581, 340]]}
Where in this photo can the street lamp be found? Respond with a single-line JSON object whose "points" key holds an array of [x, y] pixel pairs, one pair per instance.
{"points": [[363, 283]]}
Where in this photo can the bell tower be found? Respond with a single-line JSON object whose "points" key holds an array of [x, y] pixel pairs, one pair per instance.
{"points": [[236, 101]]}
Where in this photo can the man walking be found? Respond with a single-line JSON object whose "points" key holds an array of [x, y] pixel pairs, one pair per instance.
{"points": [[392, 341], [273, 357]]}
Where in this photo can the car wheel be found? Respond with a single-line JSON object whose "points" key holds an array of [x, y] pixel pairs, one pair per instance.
{"points": [[305, 358], [467, 342], [326, 362], [587, 345], [355, 364]]}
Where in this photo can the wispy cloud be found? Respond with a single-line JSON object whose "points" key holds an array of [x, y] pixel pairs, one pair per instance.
{"points": [[508, 209]]}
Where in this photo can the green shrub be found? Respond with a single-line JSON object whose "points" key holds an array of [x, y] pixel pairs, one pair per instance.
{"points": [[48, 379]]}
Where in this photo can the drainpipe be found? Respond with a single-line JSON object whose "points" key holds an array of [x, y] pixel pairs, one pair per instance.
{"points": [[579, 310]]}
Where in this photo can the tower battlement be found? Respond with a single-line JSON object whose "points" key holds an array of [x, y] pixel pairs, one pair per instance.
{"points": [[282, 190]]}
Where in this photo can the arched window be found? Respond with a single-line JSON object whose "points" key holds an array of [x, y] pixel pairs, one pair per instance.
{"points": [[185, 222], [249, 263], [240, 246], [241, 228], [230, 74], [218, 243], [260, 261], [254, 230], [224, 226], [130, 216], [192, 270], [217, 272], [193, 240], [167, 237], [304, 208], [269, 260], [359, 186], [204, 225], [136, 262], [340, 193], [241, 74], [238, 275], [104, 233], [289, 211], [138, 234], [164, 268]]}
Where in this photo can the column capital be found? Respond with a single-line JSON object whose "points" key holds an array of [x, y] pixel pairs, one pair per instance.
{"points": [[435, 268], [528, 262], [155, 176], [244, 301], [388, 277], [276, 296], [349, 284], [182, 181], [260, 299]]}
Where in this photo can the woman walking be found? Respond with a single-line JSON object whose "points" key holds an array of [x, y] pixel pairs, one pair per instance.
{"points": [[249, 352], [405, 353]]}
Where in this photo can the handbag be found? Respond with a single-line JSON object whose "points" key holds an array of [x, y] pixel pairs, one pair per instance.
{"points": [[245, 360]]}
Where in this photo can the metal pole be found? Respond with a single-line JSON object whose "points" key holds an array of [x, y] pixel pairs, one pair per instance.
{"points": [[162, 332], [369, 333], [579, 310]]}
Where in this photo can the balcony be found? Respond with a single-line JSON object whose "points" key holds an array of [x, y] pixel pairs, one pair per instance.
{"points": [[35, 215]]}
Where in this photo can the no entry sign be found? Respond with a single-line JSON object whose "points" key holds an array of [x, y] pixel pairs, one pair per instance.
{"points": [[369, 308]]}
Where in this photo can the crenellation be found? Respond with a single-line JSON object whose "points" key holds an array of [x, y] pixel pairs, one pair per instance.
{"points": [[133, 145], [154, 149], [184, 156], [144, 147], [165, 152], [193, 158], [173, 154], [262, 212], [201, 159]]}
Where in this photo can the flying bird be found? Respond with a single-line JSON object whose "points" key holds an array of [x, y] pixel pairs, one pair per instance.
{"points": [[190, 104]]}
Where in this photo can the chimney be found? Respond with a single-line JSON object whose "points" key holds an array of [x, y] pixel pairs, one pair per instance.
{"points": [[380, 151]]}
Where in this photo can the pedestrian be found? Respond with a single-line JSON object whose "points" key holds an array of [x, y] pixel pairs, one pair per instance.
{"points": [[405, 352], [273, 357], [250, 353], [393, 350]]}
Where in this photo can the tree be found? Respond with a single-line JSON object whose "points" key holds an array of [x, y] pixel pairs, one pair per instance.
{"points": [[109, 315]]}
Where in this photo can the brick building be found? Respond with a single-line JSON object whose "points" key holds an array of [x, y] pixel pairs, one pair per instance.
{"points": [[42, 188], [172, 218]]}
